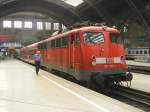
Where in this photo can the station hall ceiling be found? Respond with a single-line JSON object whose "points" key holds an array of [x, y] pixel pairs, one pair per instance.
{"points": [[71, 11], [58, 10]]}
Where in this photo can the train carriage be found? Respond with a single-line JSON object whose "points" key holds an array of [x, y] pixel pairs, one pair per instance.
{"points": [[138, 54], [27, 52]]}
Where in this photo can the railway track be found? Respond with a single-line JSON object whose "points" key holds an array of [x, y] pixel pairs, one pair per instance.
{"points": [[139, 69], [132, 97]]}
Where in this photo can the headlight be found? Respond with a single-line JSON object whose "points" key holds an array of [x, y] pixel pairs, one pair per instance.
{"points": [[93, 61], [122, 58]]}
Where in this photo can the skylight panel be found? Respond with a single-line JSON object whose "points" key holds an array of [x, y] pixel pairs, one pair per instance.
{"points": [[74, 3]]}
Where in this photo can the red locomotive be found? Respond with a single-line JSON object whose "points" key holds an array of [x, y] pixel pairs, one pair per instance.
{"points": [[92, 54]]}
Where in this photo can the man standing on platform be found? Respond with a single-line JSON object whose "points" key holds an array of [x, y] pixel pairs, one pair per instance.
{"points": [[37, 60]]}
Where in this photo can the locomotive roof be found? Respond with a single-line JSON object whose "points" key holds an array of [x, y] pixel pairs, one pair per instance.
{"points": [[88, 28]]}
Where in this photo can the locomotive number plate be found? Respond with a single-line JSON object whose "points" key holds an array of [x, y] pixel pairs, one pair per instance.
{"points": [[110, 60]]}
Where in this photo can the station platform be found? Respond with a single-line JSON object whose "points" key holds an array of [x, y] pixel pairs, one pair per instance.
{"points": [[140, 82], [129, 62], [22, 91]]}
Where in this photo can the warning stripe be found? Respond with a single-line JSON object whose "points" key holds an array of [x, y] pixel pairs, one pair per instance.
{"points": [[107, 60]]}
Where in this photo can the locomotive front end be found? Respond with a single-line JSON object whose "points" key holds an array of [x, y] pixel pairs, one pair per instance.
{"points": [[105, 57]]}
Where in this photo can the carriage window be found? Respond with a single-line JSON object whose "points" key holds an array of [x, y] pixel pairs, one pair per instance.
{"points": [[145, 52], [137, 52], [64, 41], [115, 38], [141, 52], [129, 52], [132, 52], [93, 37]]}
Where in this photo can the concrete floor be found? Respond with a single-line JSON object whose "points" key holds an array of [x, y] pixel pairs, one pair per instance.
{"points": [[129, 62], [140, 81], [22, 91]]}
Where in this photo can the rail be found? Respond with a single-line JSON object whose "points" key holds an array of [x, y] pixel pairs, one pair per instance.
{"points": [[137, 98], [139, 69]]}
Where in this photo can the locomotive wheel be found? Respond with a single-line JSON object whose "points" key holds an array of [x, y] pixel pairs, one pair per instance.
{"points": [[91, 84], [108, 83], [100, 83]]}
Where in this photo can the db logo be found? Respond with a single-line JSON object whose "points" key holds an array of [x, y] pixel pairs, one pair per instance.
{"points": [[110, 60]]}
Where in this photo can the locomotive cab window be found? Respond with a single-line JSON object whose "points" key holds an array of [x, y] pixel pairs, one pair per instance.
{"points": [[93, 37], [77, 40], [115, 38]]}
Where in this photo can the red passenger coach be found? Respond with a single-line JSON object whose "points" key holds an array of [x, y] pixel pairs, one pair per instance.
{"points": [[92, 54], [28, 52]]}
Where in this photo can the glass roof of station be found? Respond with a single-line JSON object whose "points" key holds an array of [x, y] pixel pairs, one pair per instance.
{"points": [[74, 3]]}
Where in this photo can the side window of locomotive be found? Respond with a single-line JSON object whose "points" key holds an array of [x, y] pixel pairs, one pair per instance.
{"points": [[115, 38], [49, 44], [93, 37], [39, 46], [72, 39], [64, 41], [53, 44], [58, 42], [45, 45], [77, 40]]}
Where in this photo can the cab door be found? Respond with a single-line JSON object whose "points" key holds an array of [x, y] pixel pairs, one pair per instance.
{"points": [[75, 54], [78, 56], [72, 50]]}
